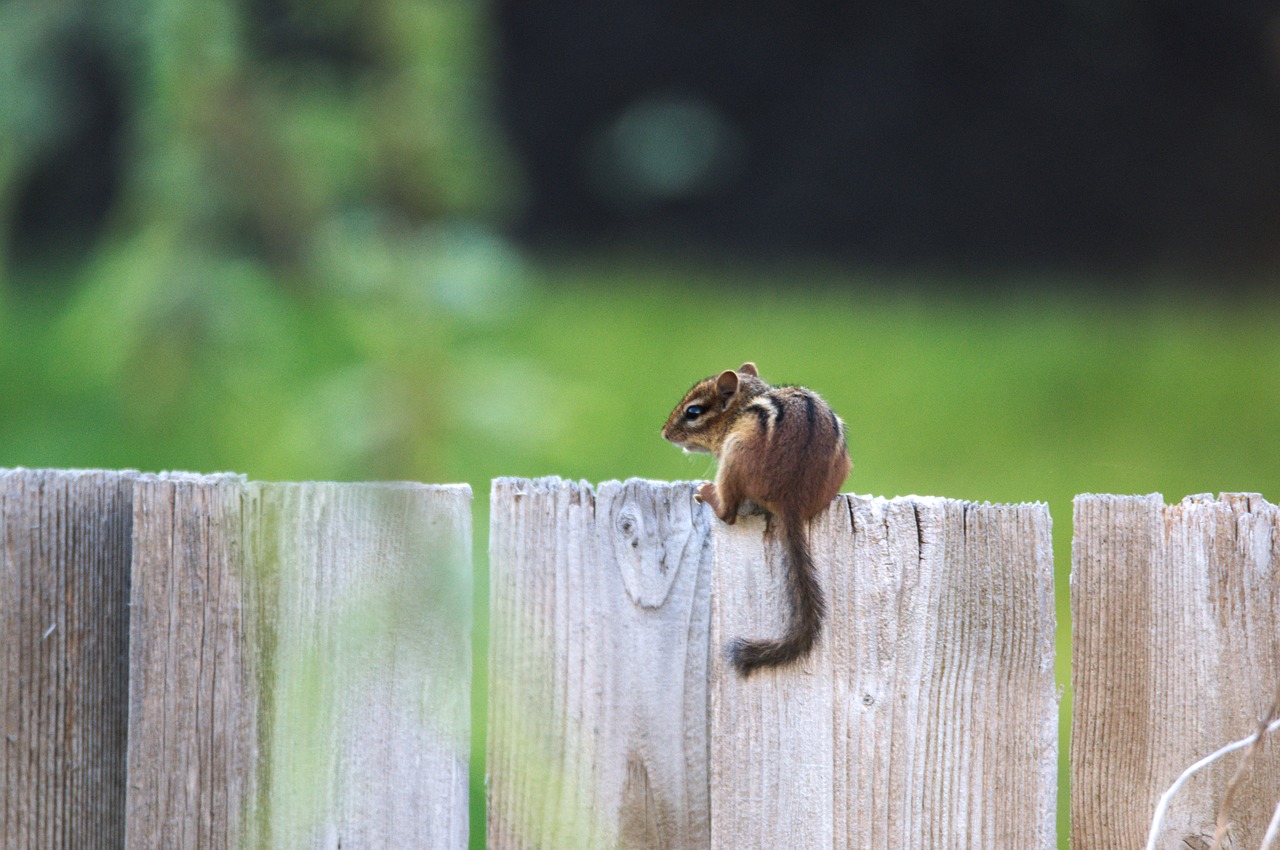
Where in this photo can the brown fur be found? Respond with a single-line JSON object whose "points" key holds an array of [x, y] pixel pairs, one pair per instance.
{"points": [[783, 450]]}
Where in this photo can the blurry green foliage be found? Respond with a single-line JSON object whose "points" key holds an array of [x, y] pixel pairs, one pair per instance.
{"points": [[301, 228]]}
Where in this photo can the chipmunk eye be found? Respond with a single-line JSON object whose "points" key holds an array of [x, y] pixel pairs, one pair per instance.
{"points": [[693, 411]]}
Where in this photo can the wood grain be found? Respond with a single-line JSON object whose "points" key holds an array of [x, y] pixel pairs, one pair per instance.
{"points": [[192, 723], [64, 584], [926, 717], [1176, 633], [598, 666], [294, 678]]}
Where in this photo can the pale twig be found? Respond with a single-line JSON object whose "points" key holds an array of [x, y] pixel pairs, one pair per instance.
{"points": [[1163, 804], [1273, 829], [1246, 761]]}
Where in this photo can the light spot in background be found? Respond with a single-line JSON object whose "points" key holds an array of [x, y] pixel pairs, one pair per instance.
{"points": [[466, 268], [347, 410], [662, 149], [475, 272], [509, 402]]}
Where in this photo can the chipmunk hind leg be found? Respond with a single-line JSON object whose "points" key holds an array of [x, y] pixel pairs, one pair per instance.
{"points": [[724, 499]]}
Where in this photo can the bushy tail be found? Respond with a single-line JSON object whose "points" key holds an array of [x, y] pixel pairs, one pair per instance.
{"points": [[807, 608]]}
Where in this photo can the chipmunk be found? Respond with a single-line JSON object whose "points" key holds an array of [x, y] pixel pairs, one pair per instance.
{"points": [[784, 450]]}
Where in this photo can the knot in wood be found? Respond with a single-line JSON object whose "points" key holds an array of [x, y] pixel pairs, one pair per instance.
{"points": [[628, 525]]}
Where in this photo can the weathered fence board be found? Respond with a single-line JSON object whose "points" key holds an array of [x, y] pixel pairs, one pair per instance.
{"points": [[288, 665], [926, 718], [193, 723], [64, 584], [927, 715], [598, 666], [1175, 654], [300, 665]]}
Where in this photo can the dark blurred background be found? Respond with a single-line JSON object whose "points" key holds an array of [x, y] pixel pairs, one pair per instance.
{"points": [[1069, 134], [1025, 250]]}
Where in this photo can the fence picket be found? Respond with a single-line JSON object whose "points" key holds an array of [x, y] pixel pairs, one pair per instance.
{"points": [[65, 542], [597, 666], [927, 715], [932, 686], [1176, 653], [299, 665]]}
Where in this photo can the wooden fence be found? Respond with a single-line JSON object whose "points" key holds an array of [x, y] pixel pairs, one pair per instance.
{"points": [[1176, 652], [208, 662]]}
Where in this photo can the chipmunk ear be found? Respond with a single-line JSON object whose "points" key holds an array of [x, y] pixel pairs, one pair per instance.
{"points": [[727, 382], [749, 368]]}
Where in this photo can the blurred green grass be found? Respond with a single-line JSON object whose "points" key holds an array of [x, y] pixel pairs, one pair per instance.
{"points": [[480, 363]]}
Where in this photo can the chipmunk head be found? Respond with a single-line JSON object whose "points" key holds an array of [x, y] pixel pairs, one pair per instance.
{"points": [[703, 417]]}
